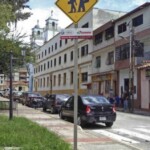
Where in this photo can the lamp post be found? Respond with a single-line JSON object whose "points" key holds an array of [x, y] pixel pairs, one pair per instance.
{"points": [[10, 95]]}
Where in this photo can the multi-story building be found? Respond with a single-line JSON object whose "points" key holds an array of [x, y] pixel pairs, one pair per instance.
{"points": [[113, 67], [135, 28], [53, 71]]}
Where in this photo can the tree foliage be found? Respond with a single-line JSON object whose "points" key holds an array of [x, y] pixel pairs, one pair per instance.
{"points": [[11, 11]]}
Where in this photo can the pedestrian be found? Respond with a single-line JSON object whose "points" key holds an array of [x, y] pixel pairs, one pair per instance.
{"points": [[117, 99], [125, 104], [111, 100]]}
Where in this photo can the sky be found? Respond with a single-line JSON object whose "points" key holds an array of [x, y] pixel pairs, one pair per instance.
{"points": [[41, 10]]}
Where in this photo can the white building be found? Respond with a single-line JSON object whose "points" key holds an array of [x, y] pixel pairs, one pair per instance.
{"points": [[55, 59]]}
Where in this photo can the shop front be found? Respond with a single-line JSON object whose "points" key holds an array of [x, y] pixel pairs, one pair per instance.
{"points": [[103, 83]]}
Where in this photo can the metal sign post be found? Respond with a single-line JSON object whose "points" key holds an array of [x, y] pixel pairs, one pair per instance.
{"points": [[75, 89]]}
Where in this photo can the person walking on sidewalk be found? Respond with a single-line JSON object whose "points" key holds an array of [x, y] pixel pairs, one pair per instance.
{"points": [[125, 104]]}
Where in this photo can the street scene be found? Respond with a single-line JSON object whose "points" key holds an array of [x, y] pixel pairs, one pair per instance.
{"points": [[77, 71]]}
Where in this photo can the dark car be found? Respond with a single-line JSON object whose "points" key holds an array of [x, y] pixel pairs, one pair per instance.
{"points": [[32, 99], [53, 102], [91, 110]]}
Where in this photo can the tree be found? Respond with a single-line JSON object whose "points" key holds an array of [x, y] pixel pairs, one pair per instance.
{"points": [[11, 12]]}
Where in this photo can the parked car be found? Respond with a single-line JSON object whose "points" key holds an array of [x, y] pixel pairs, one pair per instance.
{"points": [[91, 109], [54, 102], [17, 95], [32, 99]]}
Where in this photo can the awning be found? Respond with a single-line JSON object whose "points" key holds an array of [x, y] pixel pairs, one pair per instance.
{"points": [[144, 65]]}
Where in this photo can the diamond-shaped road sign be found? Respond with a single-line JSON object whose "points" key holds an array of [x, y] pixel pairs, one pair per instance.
{"points": [[75, 9]]}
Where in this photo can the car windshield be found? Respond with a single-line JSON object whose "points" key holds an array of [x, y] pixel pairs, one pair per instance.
{"points": [[64, 97], [34, 94], [94, 100]]}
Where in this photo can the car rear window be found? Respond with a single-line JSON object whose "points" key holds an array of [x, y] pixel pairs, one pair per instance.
{"points": [[94, 100]]}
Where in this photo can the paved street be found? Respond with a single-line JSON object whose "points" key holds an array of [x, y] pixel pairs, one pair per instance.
{"points": [[128, 133]]}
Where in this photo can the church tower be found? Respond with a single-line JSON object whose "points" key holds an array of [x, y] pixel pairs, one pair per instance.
{"points": [[37, 37], [51, 27]]}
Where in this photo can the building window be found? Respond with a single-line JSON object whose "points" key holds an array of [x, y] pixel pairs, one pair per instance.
{"points": [[48, 64], [98, 38], [98, 62], [85, 25], [84, 77], [45, 52], [65, 58], [42, 54], [64, 78], [55, 62], [43, 82], [122, 52], [47, 81], [109, 33], [60, 44], [122, 27], [55, 46], [49, 49], [66, 41], [84, 50], [51, 63], [71, 56], [71, 77], [52, 48], [54, 83], [59, 79], [137, 20], [110, 58], [59, 60]]}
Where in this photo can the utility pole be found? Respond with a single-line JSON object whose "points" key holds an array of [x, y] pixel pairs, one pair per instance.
{"points": [[131, 69]]}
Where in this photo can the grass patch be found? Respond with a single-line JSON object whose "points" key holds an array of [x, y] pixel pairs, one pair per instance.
{"points": [[21, 132]]}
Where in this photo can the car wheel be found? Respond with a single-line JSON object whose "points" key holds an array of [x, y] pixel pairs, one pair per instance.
{"points": [[109, 124], [61, 115], [80, 121], [44, 109], [52, 110]]}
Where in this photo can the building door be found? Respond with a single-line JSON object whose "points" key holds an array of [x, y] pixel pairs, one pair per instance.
{"points": [[126, 85]]}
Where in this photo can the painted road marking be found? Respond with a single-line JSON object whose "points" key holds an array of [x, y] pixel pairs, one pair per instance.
{"points": [[115, 136], [143, 130], [135, 134]]}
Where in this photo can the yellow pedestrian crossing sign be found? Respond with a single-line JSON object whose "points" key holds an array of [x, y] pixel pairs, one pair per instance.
{"points": [[75, 9]]}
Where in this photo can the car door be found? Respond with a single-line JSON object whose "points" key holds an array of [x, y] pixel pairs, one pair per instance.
{"points": [[68, 107], [50, 101]]}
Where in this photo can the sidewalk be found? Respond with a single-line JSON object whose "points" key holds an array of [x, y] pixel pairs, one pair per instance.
{"points": [[65, 129], [136, 111]]}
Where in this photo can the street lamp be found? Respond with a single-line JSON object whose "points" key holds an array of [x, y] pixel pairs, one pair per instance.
{"points": [[10, 95]]}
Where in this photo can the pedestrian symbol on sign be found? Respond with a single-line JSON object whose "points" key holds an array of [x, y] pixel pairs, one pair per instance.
{"points": [[74, 6], [75, 9]]}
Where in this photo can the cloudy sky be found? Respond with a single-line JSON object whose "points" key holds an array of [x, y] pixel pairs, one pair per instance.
{"points": [[41, 10]]}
